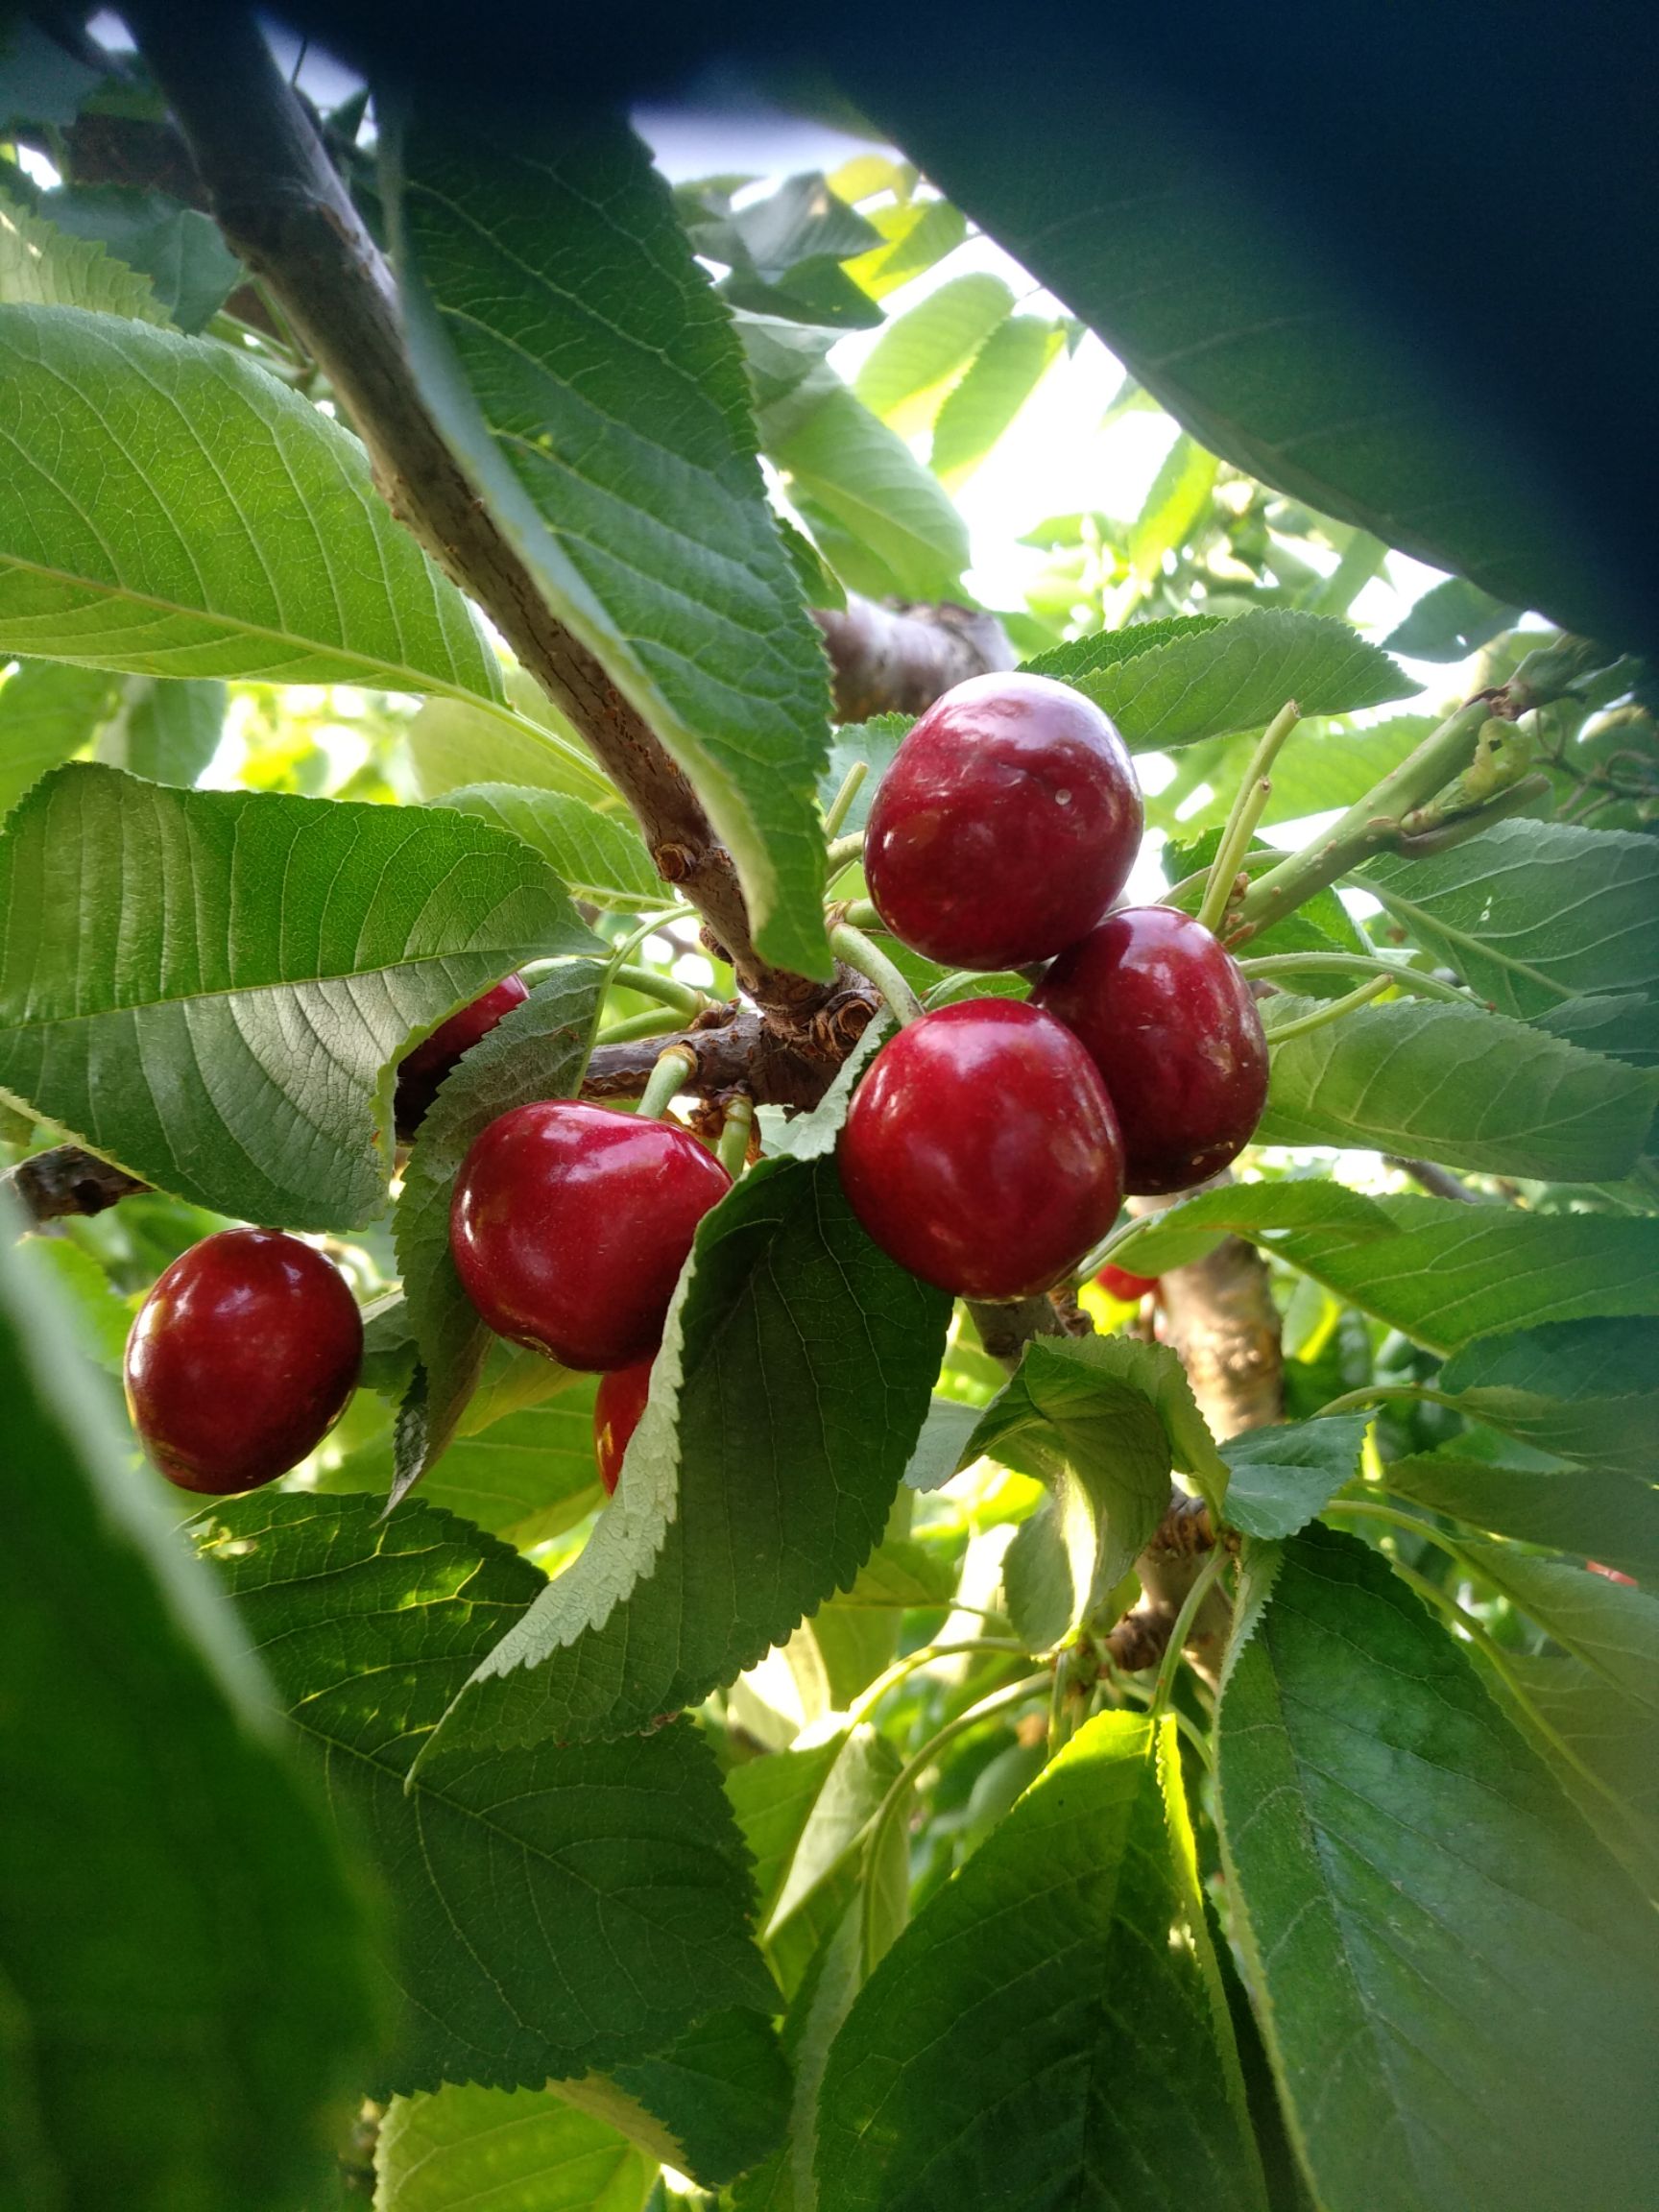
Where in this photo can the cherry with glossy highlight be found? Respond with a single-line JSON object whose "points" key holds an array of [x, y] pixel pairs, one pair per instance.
{"points": [[570, 1223], [241, 1360], [1168, 1020], [1007, 824], [982, 1150]]}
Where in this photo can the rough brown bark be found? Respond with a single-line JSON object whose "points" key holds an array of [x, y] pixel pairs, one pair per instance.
{"points": [[1220, 1318], [283, 209], [899, 660]]}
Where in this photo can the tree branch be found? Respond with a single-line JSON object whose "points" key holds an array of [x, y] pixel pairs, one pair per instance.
{"points": [[50, 1185], [899, 660], [285, 211]]}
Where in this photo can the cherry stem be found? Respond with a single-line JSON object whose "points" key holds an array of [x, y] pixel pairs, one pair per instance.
{"points": [[674, 1068], [1170, 1666], [667, 989], [838, 809], [656, 1024], [733, 1150], [1333, 1011], [1270, 964], [1017, 1693], [1248, 809], [855, 949], [840, 856]]}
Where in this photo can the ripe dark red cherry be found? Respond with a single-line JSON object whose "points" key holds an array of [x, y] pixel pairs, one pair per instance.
{"points": [[242, 1360], [1005, 827], [1129, 1289], [616, 1411], [1169, 1022], [570, 1224], [419, 1072], [982, 1150]]}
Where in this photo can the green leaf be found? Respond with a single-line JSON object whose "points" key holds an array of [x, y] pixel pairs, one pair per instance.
{"points": [[525, 1477], [1623, 1025], [44, 266], [209, 987], [1453, 1084], [1440, 1271], [999, 380], [792, 1383], [553, 1909], [913, 357], [1281, 1476], [599, 857], [1459, 1989], [1533, 913], [590, 381], [849, 1792], [1603, 1748], [168, 729], [1597, 1514], [190, 269], [536, 1050], [1257, 348], [1580, 1388], [457, 744], [184, 1985], [170, 509], [784, 252], [711, 2105], [901, 1574], [942, 1445], [917, 238], [773, 1798], [1074, 1420], [1178, 498], [1449, 622], [874, 743], [1211, 681], [1613, 1629], [1051, 2030], [517, 2149], [1321, 770], [47, 711]]}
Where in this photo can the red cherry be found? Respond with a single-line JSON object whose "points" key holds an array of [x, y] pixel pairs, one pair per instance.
{"points": [[419, 1072], [1169, 1022], [616, 1411], [570, 1224], [1129, 1289], [982, 1150], [242, 1360], [1005, 827]]}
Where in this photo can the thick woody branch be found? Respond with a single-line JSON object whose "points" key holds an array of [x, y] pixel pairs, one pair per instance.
{"points": [[899, 660], [285, 211]]}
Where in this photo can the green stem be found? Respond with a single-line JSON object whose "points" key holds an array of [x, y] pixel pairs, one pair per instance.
{"points": [[1333, 1011], [868, 1700], [886, 1812], [673, 1070], [667, 989], [863, 916], [1272, 964], [855, 949], [1206, 1580], [1092, 1262], [656, 1024], [734, 1146], [838, 809], [1370, 825], [1248, 809], [652, 922], [840, 856], [1362, 558]]}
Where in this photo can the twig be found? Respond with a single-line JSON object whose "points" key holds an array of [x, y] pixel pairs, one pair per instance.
{"points": [[1438, 1181], [52, 1186]]}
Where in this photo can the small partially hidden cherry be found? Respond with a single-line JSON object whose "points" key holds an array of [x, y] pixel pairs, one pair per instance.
{"points": [[241, 1360], [981, 1151], [1007, 824], [1169, 1020], [569, 1225], [616, 1409], [419, 1072], [1128, 1289]]}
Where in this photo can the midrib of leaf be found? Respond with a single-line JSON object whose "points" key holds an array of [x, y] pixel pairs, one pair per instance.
{"points": [[1338, 1923], [1482, 947], [413, 680]]}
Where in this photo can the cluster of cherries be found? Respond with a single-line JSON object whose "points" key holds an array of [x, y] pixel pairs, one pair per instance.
{"points": [[987, 1150], [992, 1143]]}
